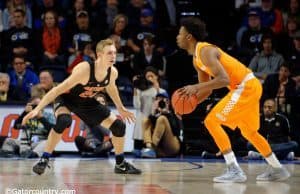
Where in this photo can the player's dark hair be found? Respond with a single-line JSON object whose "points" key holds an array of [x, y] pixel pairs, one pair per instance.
{"points": [[195, 26]]}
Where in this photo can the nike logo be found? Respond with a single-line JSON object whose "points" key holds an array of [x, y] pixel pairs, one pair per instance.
{"points": [[124, 169]]}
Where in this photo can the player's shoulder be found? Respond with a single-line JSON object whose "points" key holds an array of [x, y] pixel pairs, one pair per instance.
{"points": [[206, 47], [82, 66]]}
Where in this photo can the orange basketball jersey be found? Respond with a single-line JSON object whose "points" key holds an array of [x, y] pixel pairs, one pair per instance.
{"points": [[235, 69]]}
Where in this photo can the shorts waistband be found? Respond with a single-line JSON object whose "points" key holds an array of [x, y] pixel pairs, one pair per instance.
{"points": [[248, 77]]}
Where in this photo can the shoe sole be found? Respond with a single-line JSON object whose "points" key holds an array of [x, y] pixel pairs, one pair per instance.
{"points": [[274, 180], [230, 181], [127, 173]]}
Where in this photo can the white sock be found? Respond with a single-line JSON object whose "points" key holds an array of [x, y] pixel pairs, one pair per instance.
{"points": [[273, 161], [230, 158]]}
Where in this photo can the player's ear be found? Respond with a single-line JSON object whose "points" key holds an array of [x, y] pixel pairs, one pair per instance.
{"points": [[98, 54], [189, 36]]}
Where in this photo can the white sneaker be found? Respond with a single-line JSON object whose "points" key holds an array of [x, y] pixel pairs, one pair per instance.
{"points": [[233, 174], [274, 174], [290, 156]]}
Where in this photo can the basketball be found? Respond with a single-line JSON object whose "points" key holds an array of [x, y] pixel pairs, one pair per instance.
{"points": [[184, 104]]}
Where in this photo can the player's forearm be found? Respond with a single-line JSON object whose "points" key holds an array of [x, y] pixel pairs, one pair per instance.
{"points": [[216, 83], [203, 96]]}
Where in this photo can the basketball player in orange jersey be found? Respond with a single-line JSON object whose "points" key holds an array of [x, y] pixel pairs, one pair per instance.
{"points": [[239, 108], [77, 94]]}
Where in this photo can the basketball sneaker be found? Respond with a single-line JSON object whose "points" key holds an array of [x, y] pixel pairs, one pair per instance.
{"points": [[233, 174], [126, 168], [39, 168], [274, 174]]}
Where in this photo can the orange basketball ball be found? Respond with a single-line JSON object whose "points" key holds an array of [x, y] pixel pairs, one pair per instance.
{"points": [[183, 104]]}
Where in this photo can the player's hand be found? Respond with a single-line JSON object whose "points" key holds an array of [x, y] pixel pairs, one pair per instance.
{"points": [[189, 90], [127, 115], [30, 115]]}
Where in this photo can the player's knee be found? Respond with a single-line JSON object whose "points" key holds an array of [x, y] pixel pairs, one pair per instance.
{"points": [[63, 121], [118, 128]]}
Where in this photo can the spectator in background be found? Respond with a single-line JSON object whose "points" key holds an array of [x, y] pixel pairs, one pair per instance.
{"points": [[285, 39], [251, 38], [82, 35], [282, 87], [146, 87], [87, 54], [161, 130], [148, 56], [267, 61], [34, 134], [21, 79], [119, 34], [78, 5], [46, 84], [293, 10], [271, 17], [242, 14], [165, 12], [102, 14], [124, 66], [18, 40], [97, 14], [111, 10], [41, 6], [5, 93], [275, 128], [51, 41], [133, 11], [294, 55], [119, 28], [8, 13], [145, 28]]}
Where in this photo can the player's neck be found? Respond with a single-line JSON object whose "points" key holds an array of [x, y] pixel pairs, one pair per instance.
{"points": [[192, 48], [100, 64]]}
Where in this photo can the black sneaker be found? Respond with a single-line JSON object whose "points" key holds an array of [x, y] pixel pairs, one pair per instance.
{"points": [[126, 168], [39, 168]]}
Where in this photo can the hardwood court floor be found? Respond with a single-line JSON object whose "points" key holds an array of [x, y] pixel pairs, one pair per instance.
{"points": [[93, 176]]}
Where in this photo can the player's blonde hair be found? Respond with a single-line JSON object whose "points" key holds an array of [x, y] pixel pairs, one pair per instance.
{"points": [[103, 43]]}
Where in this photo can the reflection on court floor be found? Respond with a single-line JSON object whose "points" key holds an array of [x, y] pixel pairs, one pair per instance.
{"points": [[91, 176]]}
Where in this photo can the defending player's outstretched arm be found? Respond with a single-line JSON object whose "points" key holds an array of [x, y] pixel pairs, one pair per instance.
{"points": [[78, 72]]}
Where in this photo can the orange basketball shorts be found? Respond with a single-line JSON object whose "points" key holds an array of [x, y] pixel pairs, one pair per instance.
{"points": [[240, 107]]}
